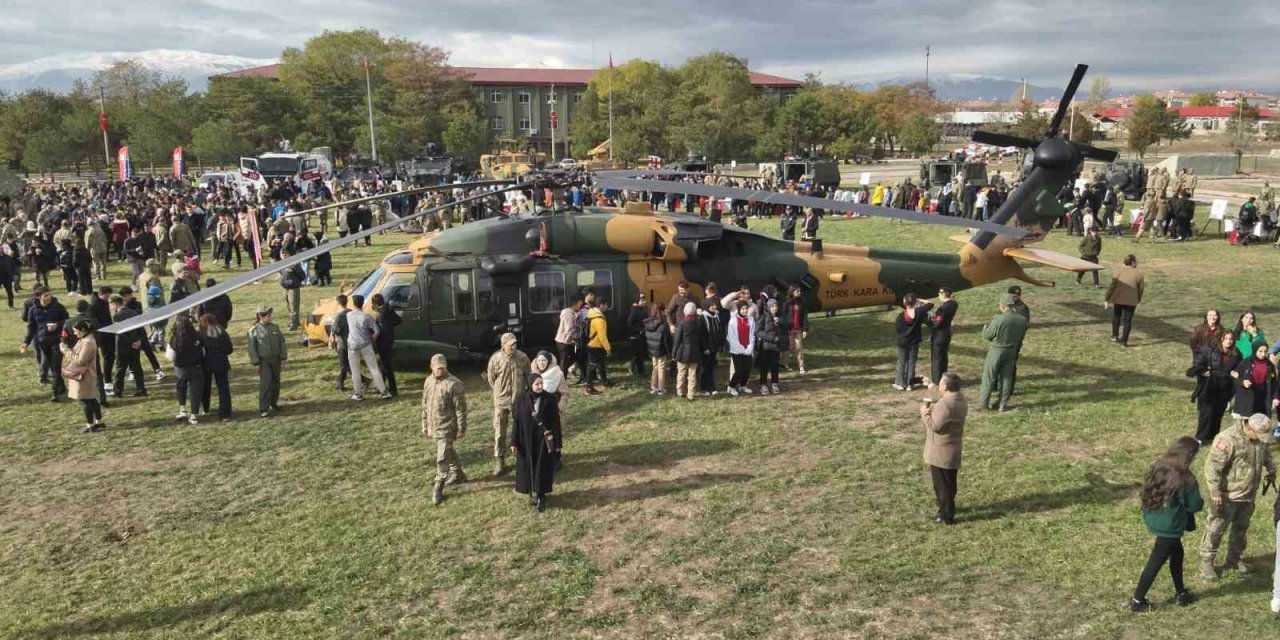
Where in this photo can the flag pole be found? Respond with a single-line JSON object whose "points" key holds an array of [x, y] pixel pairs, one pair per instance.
{"points": [[102, 122], [611, 143], [368, 87]]}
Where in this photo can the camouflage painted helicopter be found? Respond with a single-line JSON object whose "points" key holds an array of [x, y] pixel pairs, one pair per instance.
{"points": [[460, 289]]}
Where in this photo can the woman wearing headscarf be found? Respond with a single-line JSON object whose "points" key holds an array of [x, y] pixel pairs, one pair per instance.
{"points": [[544, 364], [536, 440], [1255, 386]]}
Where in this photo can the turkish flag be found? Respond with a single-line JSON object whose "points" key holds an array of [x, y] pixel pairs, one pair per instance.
{"points": [[102, 122]]}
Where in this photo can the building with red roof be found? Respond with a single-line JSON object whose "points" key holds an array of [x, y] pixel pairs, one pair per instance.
{"points": [[517, 101]]}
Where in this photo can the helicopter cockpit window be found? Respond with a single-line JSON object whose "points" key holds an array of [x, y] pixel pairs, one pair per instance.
{"points": [[403, 257], [546, 292], [365, 288], [401, 291], [462, 302], [600, 282]]}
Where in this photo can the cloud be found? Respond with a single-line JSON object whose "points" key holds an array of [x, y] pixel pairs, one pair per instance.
{"points": [[1147, 46]]}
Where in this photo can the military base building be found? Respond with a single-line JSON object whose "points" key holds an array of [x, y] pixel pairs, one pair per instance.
{"points": [[517, 102]]}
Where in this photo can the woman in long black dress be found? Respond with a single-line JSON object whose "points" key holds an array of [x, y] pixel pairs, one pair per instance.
{"points": [[536, 440]]}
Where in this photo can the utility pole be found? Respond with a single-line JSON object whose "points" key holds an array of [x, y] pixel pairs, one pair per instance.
{"points": [[611, 142], [368, 87], [102, 124], [552, 102], [926, 67]]}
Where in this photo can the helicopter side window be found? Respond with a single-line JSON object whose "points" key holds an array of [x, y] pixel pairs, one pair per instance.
{"points": [[484, 294], [546, 291], [401, 291], [600, 282], [462, 302], [440, 293]]}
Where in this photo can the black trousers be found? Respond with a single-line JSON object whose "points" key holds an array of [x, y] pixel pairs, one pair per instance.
{"points": [[767, 363], [944, 491], [939, 353], [107, 351], [707, 372], [129, 360], [1211, 406], [224, 393], [387, 357], [639, 353], [70, 278], [741, 370], [84, 281], [7, 283], [92, 411], [150, 352], [1080, 275], [566, 358], [1122, 318], [1165, 549], [596, 368], [51, 366]]}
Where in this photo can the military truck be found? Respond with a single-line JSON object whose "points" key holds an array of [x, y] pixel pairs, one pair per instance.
{"points": [[822, 171], [937, 172], [429, 166], [1130, 176]]}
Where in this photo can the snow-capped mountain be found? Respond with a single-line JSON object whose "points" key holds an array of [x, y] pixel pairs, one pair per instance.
{"points": [[961, 86], [57, 73]]}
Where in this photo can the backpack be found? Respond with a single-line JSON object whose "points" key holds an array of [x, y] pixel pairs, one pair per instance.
{"points": [[289, 279], [584, 332]]}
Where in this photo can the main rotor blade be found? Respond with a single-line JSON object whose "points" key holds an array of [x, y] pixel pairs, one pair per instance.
{"points": [[1065, 103], [773, 197], [402, 192], [1002, 140], [173, 309], [1095, 153]]}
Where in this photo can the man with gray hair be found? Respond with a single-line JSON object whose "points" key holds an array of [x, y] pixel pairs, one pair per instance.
{"points": [[943, 421], [1233, 471]]}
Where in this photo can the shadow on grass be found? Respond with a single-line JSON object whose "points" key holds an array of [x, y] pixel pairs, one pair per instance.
{"points": [[1096, 490], [658, 455], [589, 498], [248, 603]]}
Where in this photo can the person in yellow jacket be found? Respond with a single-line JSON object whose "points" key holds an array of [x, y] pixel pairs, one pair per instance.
{"points": [[598, 346], [877, 195]]}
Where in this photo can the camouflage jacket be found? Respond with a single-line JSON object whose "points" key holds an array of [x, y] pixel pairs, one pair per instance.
{"points": [[444, 407], [1234, 467]]}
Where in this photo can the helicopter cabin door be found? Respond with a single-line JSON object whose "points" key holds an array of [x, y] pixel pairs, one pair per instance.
{"points": [[547, 292]]}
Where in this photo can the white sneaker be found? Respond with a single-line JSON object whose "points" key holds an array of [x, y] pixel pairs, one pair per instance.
{"points": [[356, 397], [745, 390], [108, 387], [193, 419], [803, 370], [182, 414], [899, 387], [1275, 606], [733, 391], [715, 393], [775, 389], [764, 389], [159, 374]]}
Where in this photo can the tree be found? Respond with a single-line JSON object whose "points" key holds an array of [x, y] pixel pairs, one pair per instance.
{"points": [[29, 112], [1242, 130], [1203, 99], [261, 110], [642, 93], [1147, 123], [164, 119], [1030, 123], [1099, 91], [799, 123], [716, 111], [919, 133], [466, 135], [45, 150], [217, 140]]}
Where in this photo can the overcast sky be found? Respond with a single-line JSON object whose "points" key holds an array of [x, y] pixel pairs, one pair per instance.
{"points": [[1139, 45]]}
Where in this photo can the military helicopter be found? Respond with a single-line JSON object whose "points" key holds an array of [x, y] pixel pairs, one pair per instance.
{"points": [[458, 290]]}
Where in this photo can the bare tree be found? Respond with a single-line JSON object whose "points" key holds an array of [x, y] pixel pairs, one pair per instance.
{"points": [[1099, 91]]}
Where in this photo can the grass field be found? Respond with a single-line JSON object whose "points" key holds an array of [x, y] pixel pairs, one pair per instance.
{"points": [[800, 516]]}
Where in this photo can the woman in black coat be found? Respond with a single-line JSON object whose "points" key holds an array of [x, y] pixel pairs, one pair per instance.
{"points": [[657, 342], [536, 440], [908, 327], [1212, 368], [187, 346], [217, 364], [43, 256], [385, 345], [1255, 384], [771, 341]]}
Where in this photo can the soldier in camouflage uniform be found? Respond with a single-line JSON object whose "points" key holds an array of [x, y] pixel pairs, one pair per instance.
{"points": [[1266, 199], [508, 368], [1148, 215], [444, 417], [1233, 472]]}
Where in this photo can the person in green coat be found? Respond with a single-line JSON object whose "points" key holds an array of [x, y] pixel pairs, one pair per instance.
{"points": [[1247, 333], [1170, 499], [1005, 333], [267, 351]]}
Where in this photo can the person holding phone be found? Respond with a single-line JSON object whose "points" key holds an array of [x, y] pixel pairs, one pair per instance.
{"points": [[943, 421]]}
